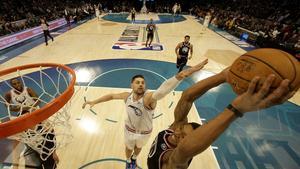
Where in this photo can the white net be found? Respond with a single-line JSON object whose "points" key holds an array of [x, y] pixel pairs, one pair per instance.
{"points": [[29, 92]]}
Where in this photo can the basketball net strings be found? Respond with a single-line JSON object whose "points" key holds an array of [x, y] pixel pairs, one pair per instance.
{"points": [[41, 137]]}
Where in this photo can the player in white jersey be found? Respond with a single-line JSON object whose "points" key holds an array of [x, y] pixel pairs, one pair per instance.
{"points": [[207, 20], [24, 100], [140, 105]]}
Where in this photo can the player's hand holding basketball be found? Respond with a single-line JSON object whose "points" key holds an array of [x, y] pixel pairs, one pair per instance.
{"points": [[89, 103], [187, 72], [254, 99]]}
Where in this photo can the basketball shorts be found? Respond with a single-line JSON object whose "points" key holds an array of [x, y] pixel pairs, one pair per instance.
{"points": [[181, 61], [135, 140], [150, 36]]}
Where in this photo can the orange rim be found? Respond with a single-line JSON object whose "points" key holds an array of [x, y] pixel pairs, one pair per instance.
{"points": [[29, 120]]}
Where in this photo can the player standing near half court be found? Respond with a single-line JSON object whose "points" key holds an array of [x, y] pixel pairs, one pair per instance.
{"points": [[182, 52], [45, 27], [132, 15], [175, 147], [150, 29], [140, 106]]}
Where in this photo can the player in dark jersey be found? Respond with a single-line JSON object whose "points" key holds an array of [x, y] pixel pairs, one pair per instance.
{"points": [[133, 15], [175, 147], [182, 51], [150, 29]]}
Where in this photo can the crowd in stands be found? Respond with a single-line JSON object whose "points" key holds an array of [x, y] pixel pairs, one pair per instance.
{"points": [[275, 24], [19, 15]]}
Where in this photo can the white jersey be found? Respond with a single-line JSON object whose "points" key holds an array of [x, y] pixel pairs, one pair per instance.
{"points": [[97, 11], [21, 99], [207, 20], [138, 118]]}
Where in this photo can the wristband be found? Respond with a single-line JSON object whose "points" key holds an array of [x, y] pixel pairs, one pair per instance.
{"points": [[235, 111]]}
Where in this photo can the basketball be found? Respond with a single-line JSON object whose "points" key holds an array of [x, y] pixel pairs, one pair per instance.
{"points": [[263, 62]]}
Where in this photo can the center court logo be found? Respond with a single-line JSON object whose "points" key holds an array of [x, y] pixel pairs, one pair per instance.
{"points": [[129, 41]]}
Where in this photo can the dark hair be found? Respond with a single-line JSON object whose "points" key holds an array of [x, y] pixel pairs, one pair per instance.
{"points": [[137, 76], [187, 36], [15, 78], [195, 125]]}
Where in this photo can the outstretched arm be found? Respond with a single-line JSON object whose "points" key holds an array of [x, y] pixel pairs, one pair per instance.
{"points": [[191, 94], [106, 98], [170, 84], [252, 100]]}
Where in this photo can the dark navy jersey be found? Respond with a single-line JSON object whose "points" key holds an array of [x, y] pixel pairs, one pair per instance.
{"points": [[184, 49], [150, 28], [158, 148]]}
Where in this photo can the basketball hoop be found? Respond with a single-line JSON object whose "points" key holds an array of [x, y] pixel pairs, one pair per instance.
{"points": [[54, 85]]}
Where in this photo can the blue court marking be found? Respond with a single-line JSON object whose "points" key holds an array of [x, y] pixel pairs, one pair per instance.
{"points": [[126, 68], [104, 160], [121, 78], [163, 18]]}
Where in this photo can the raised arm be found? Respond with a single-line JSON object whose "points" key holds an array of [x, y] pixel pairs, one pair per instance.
{"points": [[106, 98], [198, 140], [170, 84], [191, 94]]}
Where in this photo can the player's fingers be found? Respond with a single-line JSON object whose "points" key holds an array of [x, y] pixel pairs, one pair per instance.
{"points": [[266, 86], [280, 93], [252, 85], [288, 96]]}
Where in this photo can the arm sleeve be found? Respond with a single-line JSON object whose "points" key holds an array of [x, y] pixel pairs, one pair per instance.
{"points": [[165, 88]]}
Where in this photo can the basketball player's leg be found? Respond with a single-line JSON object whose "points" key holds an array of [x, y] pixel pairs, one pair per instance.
{"points": [[129, 146], [141, 141], [128, 152], [182, 64], [151, 39], [178, 63], [48, 34], [147, 40], [46, 37]]}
